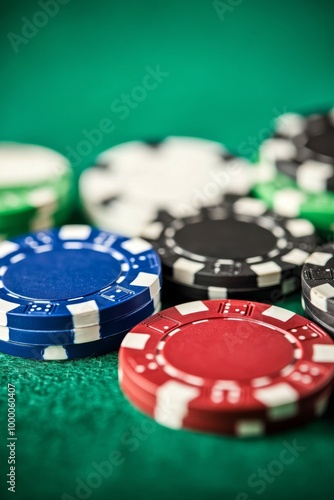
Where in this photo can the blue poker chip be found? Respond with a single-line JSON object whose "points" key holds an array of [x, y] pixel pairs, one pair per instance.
{"points": [[73, 277], [63, 352], [80, 335]]}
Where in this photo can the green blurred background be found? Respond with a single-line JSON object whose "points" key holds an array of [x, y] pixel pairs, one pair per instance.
{"points": [[85, 76]]}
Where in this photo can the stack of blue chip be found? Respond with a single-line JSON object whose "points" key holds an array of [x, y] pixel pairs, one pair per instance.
{"points": [[74, 292]]}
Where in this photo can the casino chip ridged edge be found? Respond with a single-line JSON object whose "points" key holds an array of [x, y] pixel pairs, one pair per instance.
{"points": [[318, 278], [274, 372], [81, 335], [325, 320]]}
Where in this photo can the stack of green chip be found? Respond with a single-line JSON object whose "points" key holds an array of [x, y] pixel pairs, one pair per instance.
{"points": [[36, 189], [298, 162]]}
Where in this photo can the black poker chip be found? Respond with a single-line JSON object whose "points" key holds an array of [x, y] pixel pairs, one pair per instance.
{"points": [[318, 278], [239, 244], [303, 149], [325, 320]]}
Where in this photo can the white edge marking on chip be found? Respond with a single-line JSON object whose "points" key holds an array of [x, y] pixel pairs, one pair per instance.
{"points": [[250, 206], [191, 307], [87, 334], [283, 412], [323, 353], [268, 273], [75, 231], [288, 201], [279, 394], [6, 307], [136, 341], [42, 198], [215, 292], [172, 403], [277, 149], [248, 428], [55, 353], [84, 313], [300, 227], [4, 333], [320, 294], [295, 256], [278, 313], [319, 258], [7, 247], [148, 280], [136, 246], [290, 124], [153, 231], [184, 270], [312, 176]]}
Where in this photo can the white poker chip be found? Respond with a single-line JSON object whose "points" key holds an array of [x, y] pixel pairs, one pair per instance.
{"points": [[132, 182]]}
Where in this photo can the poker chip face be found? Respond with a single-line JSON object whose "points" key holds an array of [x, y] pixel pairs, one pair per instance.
{"points": [[237, 245], [317, 278], [74, 277], [132, 182], [232, 358], [302, 149]]}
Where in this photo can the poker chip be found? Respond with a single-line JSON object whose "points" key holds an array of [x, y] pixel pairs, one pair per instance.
{"points": [[238, 244], [132, 182], [325, 320], [80, 335], [67, 352], [318, 280], [227, 366], [302, 149], [283, 197], [63, 352], [74, 277], [36, 188], [241, 425]]}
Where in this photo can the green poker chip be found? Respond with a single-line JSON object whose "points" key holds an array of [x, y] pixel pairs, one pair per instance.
{"points": [[283, 196], [36, 188]]}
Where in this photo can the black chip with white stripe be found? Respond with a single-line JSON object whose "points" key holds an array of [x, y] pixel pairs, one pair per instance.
{"points": [[325, 320], [303, 149], [237, 244], [318, 278]]}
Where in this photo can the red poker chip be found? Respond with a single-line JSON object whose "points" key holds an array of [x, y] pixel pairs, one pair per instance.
{"points": [[230, 357], [224, 423]]}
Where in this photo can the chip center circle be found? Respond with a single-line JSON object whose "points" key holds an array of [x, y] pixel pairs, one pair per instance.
{"points": [[61, 274], [225, 239], [228, 349], [322, 143]]}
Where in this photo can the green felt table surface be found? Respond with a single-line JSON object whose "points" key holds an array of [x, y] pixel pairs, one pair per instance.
{"points": [[84, 76]]}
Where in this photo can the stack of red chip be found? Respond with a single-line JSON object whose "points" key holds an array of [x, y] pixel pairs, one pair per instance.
{"points": [[228, 366]]}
